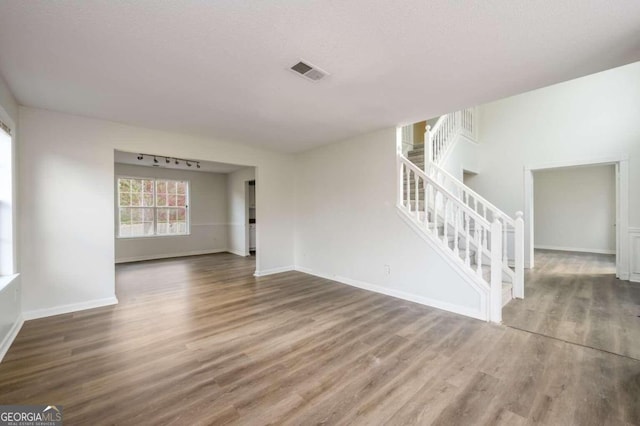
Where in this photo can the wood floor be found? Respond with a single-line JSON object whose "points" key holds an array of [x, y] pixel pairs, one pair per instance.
{"points": [[201, 341], [576, 297]]}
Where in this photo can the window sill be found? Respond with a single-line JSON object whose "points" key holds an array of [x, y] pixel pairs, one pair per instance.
{"points": [[5, 280], [152, 236]]}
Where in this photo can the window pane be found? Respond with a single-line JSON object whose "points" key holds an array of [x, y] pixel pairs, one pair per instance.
{"points": [[148, 200], [136, 200], [124, 185], [161, 200], [181, 201], [171, 187], [148, 186], [171, 200], [125, 199], [163, 215], [125, 216], [161, 187], [181, 186], [136, 185]]}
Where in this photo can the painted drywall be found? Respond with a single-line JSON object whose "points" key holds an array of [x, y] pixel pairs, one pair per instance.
{"points": [[574, 208], [348, 227], [67, 195], [207, 211], [237, 210], [591, 118]]}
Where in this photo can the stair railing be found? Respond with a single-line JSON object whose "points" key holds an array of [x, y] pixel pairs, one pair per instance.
{"points": [[457, 227], [441, 136], [512, 229]]}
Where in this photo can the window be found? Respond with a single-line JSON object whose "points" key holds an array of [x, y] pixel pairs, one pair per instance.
{"points": [[148, 207]]}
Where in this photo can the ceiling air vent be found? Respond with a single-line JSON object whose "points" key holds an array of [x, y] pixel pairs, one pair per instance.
{"points": [[308, 71]]}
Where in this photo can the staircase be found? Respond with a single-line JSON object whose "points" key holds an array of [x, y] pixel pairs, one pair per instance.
{"points": [[483, 240]]}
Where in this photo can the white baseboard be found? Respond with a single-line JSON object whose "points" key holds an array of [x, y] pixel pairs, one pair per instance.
{"points": [[10, 337], [272, 271], [634, 277], [580, 250], [65, 309], [168, 256], [237, 252], [445, 306]]}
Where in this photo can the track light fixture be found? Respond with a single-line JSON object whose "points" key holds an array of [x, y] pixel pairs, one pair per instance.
{"points": [[177, 161]]}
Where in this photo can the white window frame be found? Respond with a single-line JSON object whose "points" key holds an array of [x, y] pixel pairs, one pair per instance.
{"points": [[155, 208]]}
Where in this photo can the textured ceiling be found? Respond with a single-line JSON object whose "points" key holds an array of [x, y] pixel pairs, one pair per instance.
{"points": [[219, 68]]}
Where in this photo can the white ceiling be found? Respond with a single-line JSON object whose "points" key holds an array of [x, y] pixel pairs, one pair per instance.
{"points": [[219, 68], [147, 161]]}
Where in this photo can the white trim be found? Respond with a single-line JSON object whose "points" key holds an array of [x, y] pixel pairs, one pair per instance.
{"points": [[272, 271], [576, 249], [5, 280], [457, 309], [578, 163], [65, 309], [169, 255], [237, 252], [10, 337]]}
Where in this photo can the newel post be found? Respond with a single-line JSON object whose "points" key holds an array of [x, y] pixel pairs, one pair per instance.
{"points": [[495, 303], [428, 149], [518, 242]]}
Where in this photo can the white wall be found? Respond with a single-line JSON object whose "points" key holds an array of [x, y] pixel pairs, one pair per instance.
{"points": [[237, 210], [10, 291], [591, 118], [68, 249], [575, 209], [207, 210], [348, 227]]}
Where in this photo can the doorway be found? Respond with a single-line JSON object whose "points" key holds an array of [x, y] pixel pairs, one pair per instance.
{"points": [[621, 206]]}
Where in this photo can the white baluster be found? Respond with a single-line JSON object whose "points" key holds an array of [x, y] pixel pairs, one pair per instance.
{"points": [[445, 221], [518, 243], [467, 237], [435, 212], [417, 197], [505, 231], [456, 232], [400, 186], [478, 240], [496, 273]]}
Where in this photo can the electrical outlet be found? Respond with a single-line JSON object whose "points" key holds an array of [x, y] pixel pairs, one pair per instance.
{"points": [[387, 269]]}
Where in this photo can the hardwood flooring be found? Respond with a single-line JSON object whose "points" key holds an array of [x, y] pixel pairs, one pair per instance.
{"points": [[201, 341], [576, 297]]}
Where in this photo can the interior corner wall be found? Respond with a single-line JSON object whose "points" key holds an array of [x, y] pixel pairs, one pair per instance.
{"points": [[207, 217], [237, 210], [66, 180], [594, 117], [348, 227], [575, 209]]}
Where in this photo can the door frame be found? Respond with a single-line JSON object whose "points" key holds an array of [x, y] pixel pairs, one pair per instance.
{"points": [[622, 207]]}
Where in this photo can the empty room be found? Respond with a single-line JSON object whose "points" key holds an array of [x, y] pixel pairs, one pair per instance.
{"points": [[358, 212]]}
